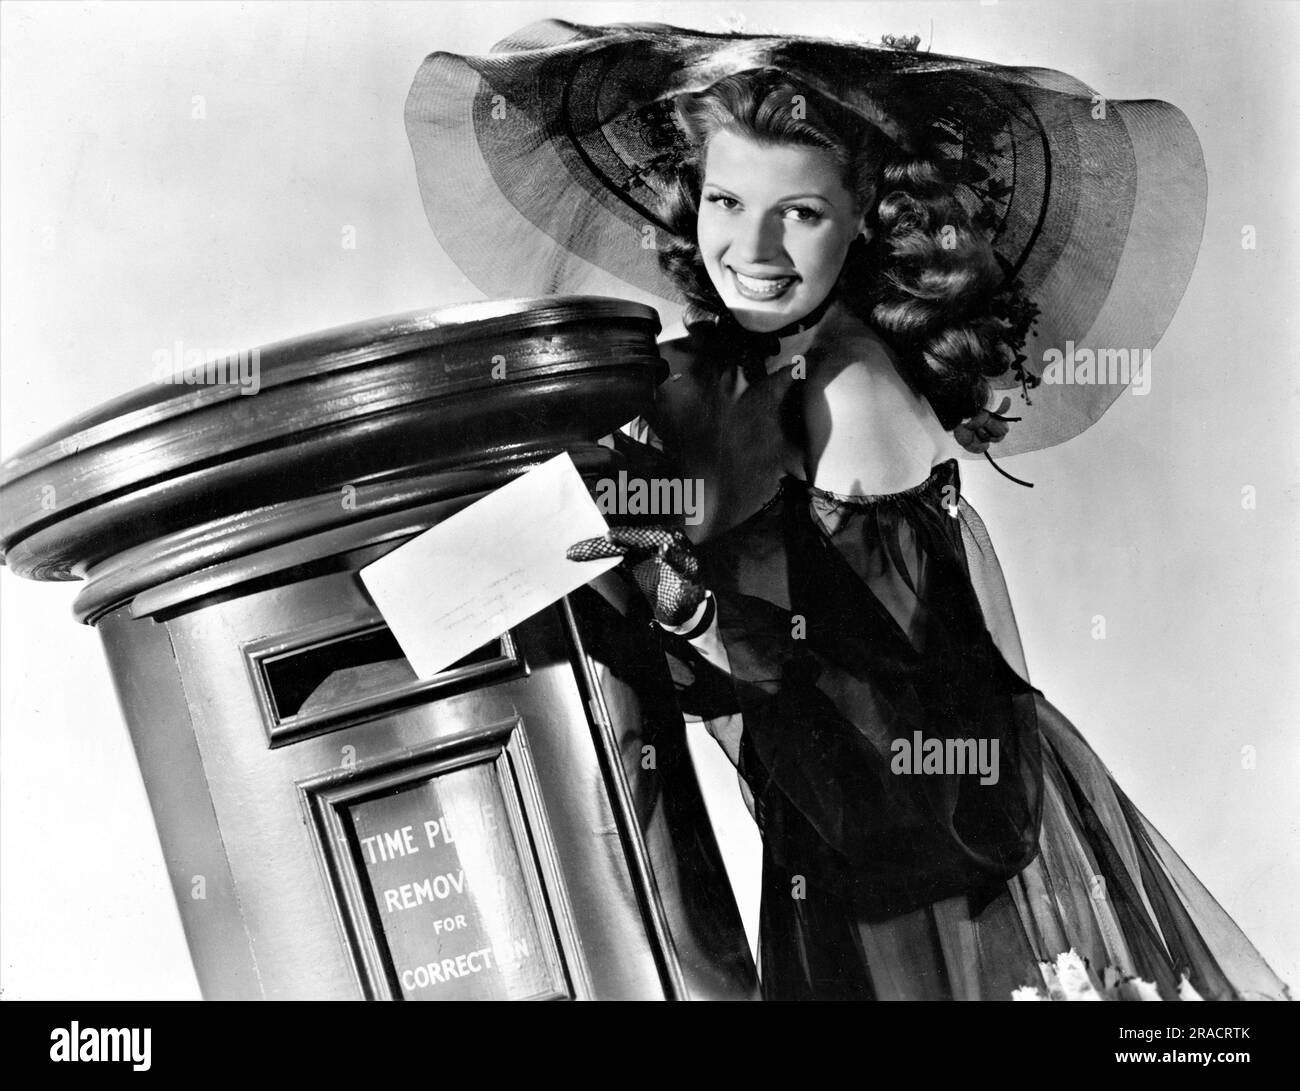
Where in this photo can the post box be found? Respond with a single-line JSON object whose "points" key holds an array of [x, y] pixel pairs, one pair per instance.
{"points": [[526, 825]]}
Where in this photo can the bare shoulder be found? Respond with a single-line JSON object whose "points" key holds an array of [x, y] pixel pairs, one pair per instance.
{"points": [[869, 431], [855, 356]]}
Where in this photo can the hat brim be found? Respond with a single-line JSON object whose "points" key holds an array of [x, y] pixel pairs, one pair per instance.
{"points": [[540, 169]]}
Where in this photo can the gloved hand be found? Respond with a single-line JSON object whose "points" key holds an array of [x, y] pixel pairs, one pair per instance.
{"points": [[986, 427], [661, 561]]}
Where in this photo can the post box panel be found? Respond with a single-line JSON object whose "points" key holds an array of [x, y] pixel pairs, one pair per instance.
{"points": [[444, 885]]}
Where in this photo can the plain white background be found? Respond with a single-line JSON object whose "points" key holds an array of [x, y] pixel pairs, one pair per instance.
{"points": [[129, 223]]}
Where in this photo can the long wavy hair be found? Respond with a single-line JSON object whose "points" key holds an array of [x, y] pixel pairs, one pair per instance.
{"points": [[928, 278]]}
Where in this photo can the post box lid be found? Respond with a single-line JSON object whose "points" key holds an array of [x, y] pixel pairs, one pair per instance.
{"points": [[314, 353], [392, 400]]}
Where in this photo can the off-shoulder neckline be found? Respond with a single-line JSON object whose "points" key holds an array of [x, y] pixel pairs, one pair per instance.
{"points": [[788, 481], [938, 471]]}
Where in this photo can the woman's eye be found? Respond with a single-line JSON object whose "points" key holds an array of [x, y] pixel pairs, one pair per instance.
{"points": [[803, 213], [722, 200]]}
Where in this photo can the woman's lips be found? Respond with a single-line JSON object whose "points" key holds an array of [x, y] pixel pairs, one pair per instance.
{"points": [[761, 289]]}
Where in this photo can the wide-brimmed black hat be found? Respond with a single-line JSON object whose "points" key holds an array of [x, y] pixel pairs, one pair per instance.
{"points": [[541, 165]]}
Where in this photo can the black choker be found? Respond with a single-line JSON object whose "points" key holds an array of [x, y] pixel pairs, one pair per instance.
{"points": [[810, 319], [746, 349]]}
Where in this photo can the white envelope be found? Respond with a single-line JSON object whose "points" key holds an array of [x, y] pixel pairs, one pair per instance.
{"points": [[485, 569]]}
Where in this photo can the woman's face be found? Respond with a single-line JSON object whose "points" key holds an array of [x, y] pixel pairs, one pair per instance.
{"points": [[774, 227]]}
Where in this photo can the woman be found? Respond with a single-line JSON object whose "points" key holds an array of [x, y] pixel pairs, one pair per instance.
{"points": [[841, 638], [932, 827]]}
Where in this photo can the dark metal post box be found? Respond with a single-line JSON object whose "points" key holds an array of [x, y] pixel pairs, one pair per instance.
{"points": [[527, 824]]}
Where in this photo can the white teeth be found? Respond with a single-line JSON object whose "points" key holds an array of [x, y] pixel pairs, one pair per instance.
{"points": [[762, 285]]}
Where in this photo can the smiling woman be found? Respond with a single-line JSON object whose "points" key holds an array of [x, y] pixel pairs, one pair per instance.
{"points": [[843, 605], [771, 214], [775, 224], [774, 227]]}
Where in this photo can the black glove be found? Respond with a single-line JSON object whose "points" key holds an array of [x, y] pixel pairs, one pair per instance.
{"points": [[661, 561]]}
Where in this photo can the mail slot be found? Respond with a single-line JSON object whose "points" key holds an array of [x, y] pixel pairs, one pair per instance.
{"points": [[310, 683], [334, 826]]}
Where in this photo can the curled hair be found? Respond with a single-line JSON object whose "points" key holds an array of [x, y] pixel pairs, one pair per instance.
{"points": [[928, 281]]}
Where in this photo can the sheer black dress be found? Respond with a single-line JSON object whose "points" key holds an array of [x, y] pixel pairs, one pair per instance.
{"points": [[932, 827]]}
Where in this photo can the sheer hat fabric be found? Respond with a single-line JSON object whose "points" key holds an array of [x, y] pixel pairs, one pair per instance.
{"points": [[541, 165]]}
